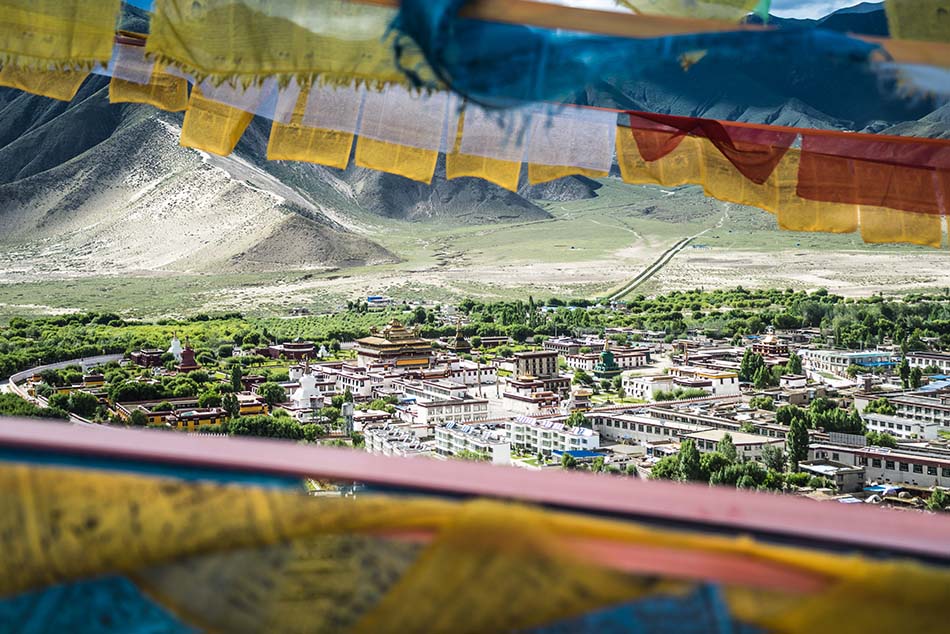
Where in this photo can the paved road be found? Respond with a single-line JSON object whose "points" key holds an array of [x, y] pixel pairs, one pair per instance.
{"points": [[19, 377]]}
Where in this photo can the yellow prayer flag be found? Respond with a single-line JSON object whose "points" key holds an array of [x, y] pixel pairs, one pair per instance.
{"points": [[335, 40], [46, 34], [212, 126], [881, 225], [55, 84], [296, 142], [538, 173], [502, 173], [411, 162], [682, 166], [164, 91], [919, 19]]}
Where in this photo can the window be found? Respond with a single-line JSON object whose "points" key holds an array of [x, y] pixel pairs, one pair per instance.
{"points": [[946, 472], [889, 464], [834, 456], [918, 468], [931, 470], [876, 462], [903, 466]]}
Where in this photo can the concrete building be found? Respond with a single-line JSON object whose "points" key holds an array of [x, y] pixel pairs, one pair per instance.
{"points": [[547, 435], [646, 388], [625, 358], [395, 440], [894, 466], [837, 362], [924, 360], [923, 408], [720, 382], [431, 413], [902, 428], [486, 439], [642, 429], [749, 446], [847, 478]]}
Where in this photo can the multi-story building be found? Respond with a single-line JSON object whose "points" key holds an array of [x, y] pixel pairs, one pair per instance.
{"points": [[716, 382], [547, 435], [748, 446], [394, 345], [923, 360], [923, 408], [485, 439], [394, 440], [837, 362], [770, 346], [894, 466], [539, 364], [431, 413], [646, 388], [903, 428], [642, 429], [625, 358]]}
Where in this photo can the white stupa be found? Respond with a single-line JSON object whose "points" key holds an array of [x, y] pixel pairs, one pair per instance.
{"points": [[175, 348], [307, 391]]}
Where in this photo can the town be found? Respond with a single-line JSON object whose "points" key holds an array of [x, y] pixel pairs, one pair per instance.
{"points": [[774, 406]]}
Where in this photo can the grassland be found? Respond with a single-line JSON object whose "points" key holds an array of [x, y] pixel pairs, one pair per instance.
{"points": [[588, 248]]}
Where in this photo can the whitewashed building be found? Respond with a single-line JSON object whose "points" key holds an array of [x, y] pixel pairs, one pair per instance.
{"points": [[748, 446], [902, 428], [485, 439], [547, 435], [894, 466]]}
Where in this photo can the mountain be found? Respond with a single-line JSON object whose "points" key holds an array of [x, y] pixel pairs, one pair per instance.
{"points": [[89, 187]]}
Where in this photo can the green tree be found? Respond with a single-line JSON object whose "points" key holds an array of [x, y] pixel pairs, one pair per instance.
{"points": [[568, 461], [59, 401], [747, 427], [937, 501], [583, 378], [727, 448], [916, 377], [83, 404], [794, 365], [667, 468], [209, 398], [904, 371], [272, 393], [577, 419], [164, 406], [138, 418], [881, 439], [762, 402], [797, 443], [598, 465], [880, 406], [347, 396], [760, 379], [236, 374], [231, 405], [225, 351], [773, 458], [690, 467]]}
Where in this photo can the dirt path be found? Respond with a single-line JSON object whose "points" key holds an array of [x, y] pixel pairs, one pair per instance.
{"points": [[663, 260]]}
